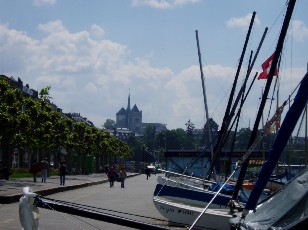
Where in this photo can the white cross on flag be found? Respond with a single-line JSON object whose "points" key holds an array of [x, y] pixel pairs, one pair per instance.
{"points": [[266, 66]]}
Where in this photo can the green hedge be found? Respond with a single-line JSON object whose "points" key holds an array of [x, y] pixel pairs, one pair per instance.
{"points": [[24, 172]]}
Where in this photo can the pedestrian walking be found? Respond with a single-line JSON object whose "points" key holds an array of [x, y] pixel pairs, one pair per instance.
{"points": [[122, 176], [62, 173], [111, 176], [44, 169], [106, 169], [147, 172], [34, 169]]}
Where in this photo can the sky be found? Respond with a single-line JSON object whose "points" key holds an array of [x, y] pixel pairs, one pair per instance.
{"points": [[93, 54]]}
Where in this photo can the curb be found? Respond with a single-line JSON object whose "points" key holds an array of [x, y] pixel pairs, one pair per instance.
{"points": [[15, 198]]}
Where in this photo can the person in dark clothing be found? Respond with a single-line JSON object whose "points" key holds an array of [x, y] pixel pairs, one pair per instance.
{"points": [[34, 169], [62, 173], [122, 177], [147, 172], [111, 176], [106, 169], [44, 169]]}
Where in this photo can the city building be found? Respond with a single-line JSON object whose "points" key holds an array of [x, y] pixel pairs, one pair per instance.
{"points": [[129, 118]]}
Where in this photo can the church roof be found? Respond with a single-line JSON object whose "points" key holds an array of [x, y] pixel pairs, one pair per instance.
{"points": [[122, 111], [135, 108]]}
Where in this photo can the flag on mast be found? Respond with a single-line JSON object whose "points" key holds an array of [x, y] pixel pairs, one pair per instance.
{"points": [[266, 66]]}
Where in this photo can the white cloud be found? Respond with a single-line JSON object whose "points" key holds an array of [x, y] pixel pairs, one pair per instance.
{"points": [[90, 87], [44, 2], [93, 76], [163, 4], [299, 30], [242, 22], [82, 71], [97, 31], [51, 27]]}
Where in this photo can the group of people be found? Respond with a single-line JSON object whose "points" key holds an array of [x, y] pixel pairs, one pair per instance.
{"points": [[113, 176], [43, 167]]}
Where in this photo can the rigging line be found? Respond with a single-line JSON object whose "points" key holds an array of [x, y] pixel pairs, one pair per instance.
{"points": [[243, 99], [227, 114], [65, 217], [283, 10], [243, 88], [298, 130], [165, 181], [211, 201], [104, 217], [91, 208], [189, 164], [277, 52], [272, 98], [221, 86], [238, 118]]}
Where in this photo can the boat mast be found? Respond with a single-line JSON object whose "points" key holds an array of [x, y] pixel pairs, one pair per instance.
{"points": [[205, 102], [227, 118], [250, 66], [280, 142], [278, 51]]}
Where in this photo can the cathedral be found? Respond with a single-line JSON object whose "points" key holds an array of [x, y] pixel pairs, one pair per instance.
{"points": [[129, 118]]}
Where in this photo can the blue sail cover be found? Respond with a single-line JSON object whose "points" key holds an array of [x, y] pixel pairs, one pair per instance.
{"points": [[280, 142]]}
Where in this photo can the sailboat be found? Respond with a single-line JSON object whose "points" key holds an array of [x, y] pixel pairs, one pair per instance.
{"points": [[208, 217], [175, 189], [272, 213]]}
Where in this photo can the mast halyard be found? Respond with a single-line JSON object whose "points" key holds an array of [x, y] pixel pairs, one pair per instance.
{"points": [[228, 115], [278, 51]]}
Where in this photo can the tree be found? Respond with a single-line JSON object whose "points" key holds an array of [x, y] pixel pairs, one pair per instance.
{"points": [[190, 127], [109, 124], [150, 136], [214, 132], [191, 140], [10, 109], [242, 138], [27, 123]]}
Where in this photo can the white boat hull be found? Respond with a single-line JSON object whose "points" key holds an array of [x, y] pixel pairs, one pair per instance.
{"points": [[182, 214]]}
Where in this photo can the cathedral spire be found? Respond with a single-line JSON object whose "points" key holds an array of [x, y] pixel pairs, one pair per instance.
{"points": [[128, 102]]}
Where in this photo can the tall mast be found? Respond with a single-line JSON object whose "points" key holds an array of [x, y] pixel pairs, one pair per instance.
{"points": [[205, 102], [227, 118], [278, 50]]}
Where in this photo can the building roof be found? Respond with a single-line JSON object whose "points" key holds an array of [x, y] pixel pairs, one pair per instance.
{"points": [[135, 108], [122, 111]]}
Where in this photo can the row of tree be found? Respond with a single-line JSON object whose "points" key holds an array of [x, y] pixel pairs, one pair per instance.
{"points": [[189, 139], [31, 125]]}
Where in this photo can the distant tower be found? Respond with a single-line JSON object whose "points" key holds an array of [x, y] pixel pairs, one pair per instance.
{"points": [[128, 112], [129, 118]]}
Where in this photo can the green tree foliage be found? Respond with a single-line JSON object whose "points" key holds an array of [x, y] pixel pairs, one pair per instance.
{"points": [[214, 133], [191, 142], [29, 124], [150, 137], [10, 110], [109, 124]]}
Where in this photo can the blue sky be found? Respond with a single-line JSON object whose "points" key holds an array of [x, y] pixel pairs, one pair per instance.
{"points": [[93, 53]]}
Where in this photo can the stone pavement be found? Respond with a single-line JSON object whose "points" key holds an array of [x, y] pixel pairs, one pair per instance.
{"points": [[11, 190]]}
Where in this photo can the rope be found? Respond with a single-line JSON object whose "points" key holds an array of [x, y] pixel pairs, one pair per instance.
{"points": [[73, 222], [97, 209], [269, 125]]}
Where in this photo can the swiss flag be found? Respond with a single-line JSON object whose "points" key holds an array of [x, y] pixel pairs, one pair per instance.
{"points": [[266, 66]]}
